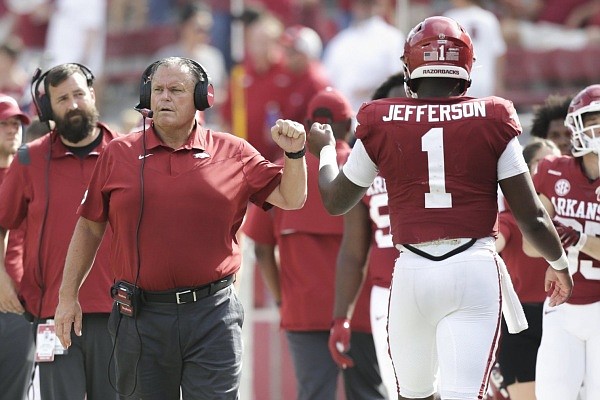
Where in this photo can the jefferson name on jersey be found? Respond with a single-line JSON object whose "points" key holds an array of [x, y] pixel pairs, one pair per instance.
{"points": [[435, 112]]}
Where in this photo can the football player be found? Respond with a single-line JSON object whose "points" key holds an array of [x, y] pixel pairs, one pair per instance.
{"points": [[569, 354], [442, 155], [367, 248]]}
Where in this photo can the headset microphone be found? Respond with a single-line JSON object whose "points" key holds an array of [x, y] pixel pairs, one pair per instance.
{"points": [[36, 76], [34, 100], [146, 113]]}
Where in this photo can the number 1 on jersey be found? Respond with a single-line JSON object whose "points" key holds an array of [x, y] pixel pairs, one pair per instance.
{"points": [[433, 143]]}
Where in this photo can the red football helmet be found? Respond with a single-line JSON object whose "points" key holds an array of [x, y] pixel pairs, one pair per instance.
{"points": [[585, 139], [438, 47]]}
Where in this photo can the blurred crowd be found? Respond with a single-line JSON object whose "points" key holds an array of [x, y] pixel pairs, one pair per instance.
{"points": [[118, 38]]}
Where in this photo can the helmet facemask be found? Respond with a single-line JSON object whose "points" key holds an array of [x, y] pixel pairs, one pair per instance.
{"points": [[585, 139]]}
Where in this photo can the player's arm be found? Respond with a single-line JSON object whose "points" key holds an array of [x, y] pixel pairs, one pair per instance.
{"points": [[339, 193], [569, 236], [259, 227], [266, 262], [528, 248], [349, 276], [531, 216], [537, 228], [591, 246], [352, 260], [533, 221]]}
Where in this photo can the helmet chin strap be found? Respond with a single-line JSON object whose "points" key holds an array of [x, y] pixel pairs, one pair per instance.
{"points": [[595, 145]]}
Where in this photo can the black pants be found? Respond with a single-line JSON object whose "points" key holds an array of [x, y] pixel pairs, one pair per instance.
{"points": [[193, 347], [84, 370], [16, 356], [316, 372], [517, 353]]}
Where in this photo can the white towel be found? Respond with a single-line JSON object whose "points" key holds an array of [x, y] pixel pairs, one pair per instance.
{"points": [[511, 305]]}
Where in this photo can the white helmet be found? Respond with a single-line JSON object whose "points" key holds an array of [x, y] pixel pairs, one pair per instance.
{"points": [[584, 139]]}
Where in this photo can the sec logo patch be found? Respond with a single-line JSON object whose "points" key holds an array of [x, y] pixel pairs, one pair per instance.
{"points": [[562, 187]]}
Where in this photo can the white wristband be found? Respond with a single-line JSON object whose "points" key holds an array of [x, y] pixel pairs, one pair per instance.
{"points": [[561, 263], [328, 156], [581, 242]]}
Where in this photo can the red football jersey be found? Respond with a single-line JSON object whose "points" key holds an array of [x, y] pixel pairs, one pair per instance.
{"points": [[383, 254], [439, 158], [562, 181]]}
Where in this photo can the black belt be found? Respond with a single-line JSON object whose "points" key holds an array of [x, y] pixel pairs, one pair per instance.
{"points": [[188, 295], [449, 254]]}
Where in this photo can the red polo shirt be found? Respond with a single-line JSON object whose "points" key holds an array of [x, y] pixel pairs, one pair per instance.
{"points": [[309, 240], [194, 199], [45, 193]]}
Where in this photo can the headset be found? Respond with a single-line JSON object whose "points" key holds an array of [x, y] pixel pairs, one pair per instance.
{"points": [[204, 93], [42, 101]]}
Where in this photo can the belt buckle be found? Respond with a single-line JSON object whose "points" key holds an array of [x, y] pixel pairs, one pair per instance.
{"points": [[184, 292]]}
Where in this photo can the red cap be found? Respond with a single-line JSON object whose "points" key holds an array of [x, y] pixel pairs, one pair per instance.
{"points": [[10, 108], [328, 106]]}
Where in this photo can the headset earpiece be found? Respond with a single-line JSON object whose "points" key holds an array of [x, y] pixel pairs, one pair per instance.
{"points": [[146, 87], [204, 93], [42, 101]]}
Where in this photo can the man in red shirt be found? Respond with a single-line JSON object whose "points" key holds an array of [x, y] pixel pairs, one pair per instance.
{"points": [[569, 189], [307, 76], [175, 195], [303, 282], [257, 87], [42, 189], [442, 155], [16, 333]]}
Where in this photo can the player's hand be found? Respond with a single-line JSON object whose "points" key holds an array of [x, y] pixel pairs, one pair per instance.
{"points": [[320, 135], [559, 285], [9, 301], [289, 135], [339, 342], [68, 314], [569, 236]]}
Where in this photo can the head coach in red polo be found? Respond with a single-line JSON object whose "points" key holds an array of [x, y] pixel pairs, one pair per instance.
{"points": [[175, 194]]}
